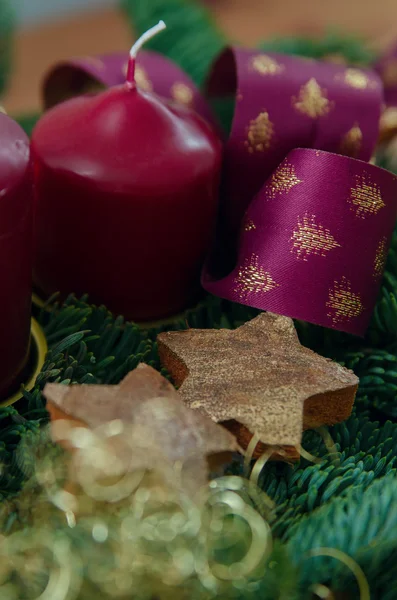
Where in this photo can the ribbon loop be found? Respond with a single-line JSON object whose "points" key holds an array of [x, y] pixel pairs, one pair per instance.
{"points": [[154, 73], [318, 222], [285, 102], [314, 241]]}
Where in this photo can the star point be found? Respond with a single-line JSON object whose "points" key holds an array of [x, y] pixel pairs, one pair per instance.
{"points": [[258, 379]]}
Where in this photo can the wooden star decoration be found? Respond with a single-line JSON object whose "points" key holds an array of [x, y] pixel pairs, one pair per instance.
{"points": [[156, 424], [259, 380]]}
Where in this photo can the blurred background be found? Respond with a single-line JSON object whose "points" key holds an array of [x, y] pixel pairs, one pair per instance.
{"points": [[31, 12], [50, 30]]}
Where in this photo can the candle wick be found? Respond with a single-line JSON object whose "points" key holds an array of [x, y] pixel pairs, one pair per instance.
{"points": [[136, 48]]}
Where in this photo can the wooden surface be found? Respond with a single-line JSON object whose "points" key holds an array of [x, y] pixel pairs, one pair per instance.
{"points": [[246, 21]]}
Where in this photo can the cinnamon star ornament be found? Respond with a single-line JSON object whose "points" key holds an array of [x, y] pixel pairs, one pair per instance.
{"points": [[154, 424], [259, 380]]}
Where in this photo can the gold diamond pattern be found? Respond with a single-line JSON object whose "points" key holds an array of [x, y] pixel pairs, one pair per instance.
{"points": [[380, 258], [343, 303], [310, 237], [252, 278], [265, 65], [182, 94], [142, 79], [351, 142], [356, 78], [249, 225], [312, 100], [260, 133], [283, 180], [365, 197]]}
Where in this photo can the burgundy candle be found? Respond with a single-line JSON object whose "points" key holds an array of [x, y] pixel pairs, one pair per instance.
{"points": [[127, 187], [16, 198]]}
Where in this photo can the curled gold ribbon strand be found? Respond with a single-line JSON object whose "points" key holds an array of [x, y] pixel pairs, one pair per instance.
{"points": [[365, 593]]}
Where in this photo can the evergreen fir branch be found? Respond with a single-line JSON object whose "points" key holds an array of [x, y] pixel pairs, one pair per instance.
{"points": [[383, 328], [98, 348], [348, 501], [365, 451], [363, 524], [333, 44], [7, 27], [281, 578], [377, 370], [28, 122]]}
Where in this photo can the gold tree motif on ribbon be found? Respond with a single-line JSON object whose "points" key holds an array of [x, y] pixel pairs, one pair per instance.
{"points": [[343, 303], [380, 258], [252, 278], [260, 133], [182, 93], [357, 79], [310, 238], [365, 197], [351, 142], [312, 100], [265, 65], [283, 180], [249, 225]]}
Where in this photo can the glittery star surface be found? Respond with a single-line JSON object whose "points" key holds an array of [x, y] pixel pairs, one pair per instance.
{"points": [[258, 379], [150, 420]]}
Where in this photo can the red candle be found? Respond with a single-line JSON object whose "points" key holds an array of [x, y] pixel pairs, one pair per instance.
{"points": [[127, 187], [16, 200]]}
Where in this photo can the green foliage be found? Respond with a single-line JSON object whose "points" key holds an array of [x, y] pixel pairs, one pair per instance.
{"points": [[353, 50], [87, 344], [361, 452], [28, 122], [362, 524], [348, 501], [7, 25]]}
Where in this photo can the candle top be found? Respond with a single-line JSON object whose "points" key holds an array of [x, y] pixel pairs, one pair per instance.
{"points": [[14, 153], [136, 48], [126, 140]]}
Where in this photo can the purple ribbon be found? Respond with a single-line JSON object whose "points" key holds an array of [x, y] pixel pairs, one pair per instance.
{"points": [[308, 218], [314, 241], [285, 102], [154, 73]]}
